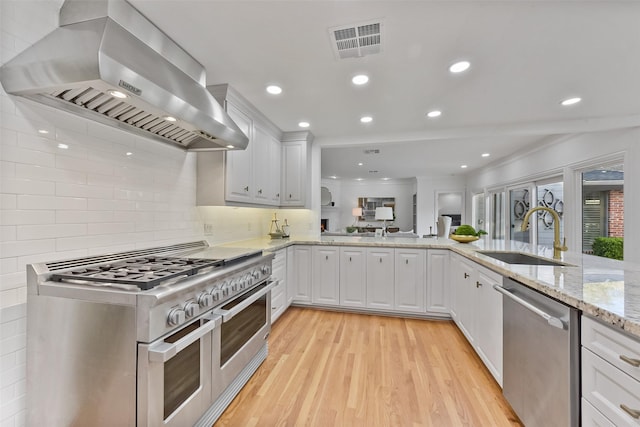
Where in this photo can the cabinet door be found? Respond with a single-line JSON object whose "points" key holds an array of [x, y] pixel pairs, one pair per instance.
{"points": [[275, 155], [239, 171], [294, 156], [291, 273], [464, 293], [380, 278], [488, 303], [438, 281], [302, 274], [353, 277], [326, 276], [261, 166], [410, 283], [279, 292]]}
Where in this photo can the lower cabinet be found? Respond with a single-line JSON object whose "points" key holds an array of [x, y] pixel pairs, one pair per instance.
{"points": [[325, 282], [353, 277], [477, 310], [301, 274], [380, 278], [279, 301], [610, 376], [438, 286], [410, 282]]}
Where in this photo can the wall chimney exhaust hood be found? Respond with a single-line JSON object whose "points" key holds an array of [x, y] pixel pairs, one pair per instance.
{"points": [[108, 63]]}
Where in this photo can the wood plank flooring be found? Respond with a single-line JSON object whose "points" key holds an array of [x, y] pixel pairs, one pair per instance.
{"points": [[341, 369]]}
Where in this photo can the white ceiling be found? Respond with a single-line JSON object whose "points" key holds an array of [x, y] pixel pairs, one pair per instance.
{"points": [[526, 56]]}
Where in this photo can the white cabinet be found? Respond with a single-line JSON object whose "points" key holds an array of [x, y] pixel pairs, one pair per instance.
{"points": [[353, 277], [296, 162], [488, 304], [301, 274], [438, 285], [463, 303], [325, 288], [279, 301], [380, 278], [610, 375], [410, 283], [242, 177], [477, 310], [291, 273]]}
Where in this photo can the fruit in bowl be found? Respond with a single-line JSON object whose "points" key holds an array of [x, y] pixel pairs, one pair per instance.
{"points": [[466, 233]]}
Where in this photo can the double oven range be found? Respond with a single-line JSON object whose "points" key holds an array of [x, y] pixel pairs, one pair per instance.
{"points": [[163, 336]]}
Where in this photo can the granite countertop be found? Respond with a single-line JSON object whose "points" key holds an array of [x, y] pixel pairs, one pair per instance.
{"points": [[606, 289]]}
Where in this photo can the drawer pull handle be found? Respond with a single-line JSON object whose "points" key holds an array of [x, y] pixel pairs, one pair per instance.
{"points": [[466, 275], [633, 362], [633, 412], [478, 284]]}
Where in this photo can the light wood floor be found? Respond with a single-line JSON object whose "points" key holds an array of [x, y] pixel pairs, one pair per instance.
{"points": [[340, 369]]}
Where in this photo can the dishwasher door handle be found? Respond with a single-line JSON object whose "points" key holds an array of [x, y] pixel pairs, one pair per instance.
{"points": [[551, 320]]}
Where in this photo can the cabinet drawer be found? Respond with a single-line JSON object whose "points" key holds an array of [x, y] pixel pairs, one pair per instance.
{"points": [[608, 388], [279, 256], [613, 346], [278, 301], [591, 417]]}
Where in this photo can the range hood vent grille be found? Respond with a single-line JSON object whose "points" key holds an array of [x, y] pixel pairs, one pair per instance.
{"points": [[356, 40], [108, 106]]}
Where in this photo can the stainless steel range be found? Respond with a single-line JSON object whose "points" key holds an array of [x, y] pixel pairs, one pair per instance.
{"points": [[163, 336]]}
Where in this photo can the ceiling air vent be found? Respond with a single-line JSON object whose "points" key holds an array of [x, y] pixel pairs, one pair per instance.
{"points": [[356, 40], [372, 151]]}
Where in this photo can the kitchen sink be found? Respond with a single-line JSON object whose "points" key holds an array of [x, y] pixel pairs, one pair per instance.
{"points": [[520, 258]]}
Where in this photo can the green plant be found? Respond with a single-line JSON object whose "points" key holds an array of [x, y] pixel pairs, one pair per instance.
{"points": [[351, 229], [467, 230], [609, 247]]}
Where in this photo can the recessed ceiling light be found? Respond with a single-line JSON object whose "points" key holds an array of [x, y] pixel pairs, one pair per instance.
{"points": [[230, 146], [571, 101], [304, 124], [386, 179], [366, 119], [63, 146], [463, 166], [274, 90], [117, 94], [170, 118], [459, 67], [434, 113], [360, 163], [485, 154], [360, 79], [333, 177], [358, 179], [43, 131], [129, 153]]}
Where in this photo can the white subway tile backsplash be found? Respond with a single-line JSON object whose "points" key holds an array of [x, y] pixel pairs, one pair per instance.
{"points": [[7, 169], [49, 231], [105, 204], [8, 265], [103, 216], [23, 216], [12, 280], [8, 201], [22, 155], [7, 232], [110, 228], [26, 247], [26, 186], [28, 201], [71, 163], [50, 174]]}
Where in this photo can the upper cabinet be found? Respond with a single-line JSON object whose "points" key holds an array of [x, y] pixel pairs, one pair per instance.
{"points": [[255, 176], [295, 167]]}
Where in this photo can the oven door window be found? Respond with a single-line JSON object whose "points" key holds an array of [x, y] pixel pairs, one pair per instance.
{"points": [[181, 373], [243, 326]]}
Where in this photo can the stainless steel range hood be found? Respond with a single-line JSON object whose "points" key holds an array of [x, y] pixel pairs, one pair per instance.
{"points": [[106, 48]]}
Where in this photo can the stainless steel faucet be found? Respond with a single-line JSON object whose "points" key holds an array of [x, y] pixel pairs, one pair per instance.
{"points": [[557, 245]]}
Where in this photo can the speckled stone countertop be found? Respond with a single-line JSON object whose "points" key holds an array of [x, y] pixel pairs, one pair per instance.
{"points": [[606, 289]]}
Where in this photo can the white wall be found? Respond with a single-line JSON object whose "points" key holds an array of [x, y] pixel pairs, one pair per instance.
{"points": [[427, 189], [564, 155]]}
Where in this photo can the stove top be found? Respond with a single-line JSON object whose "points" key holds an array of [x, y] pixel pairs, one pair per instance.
{"points": [[144, 272]]}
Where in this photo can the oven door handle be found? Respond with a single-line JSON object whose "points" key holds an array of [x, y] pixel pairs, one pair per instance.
{"points": [[229, 314], [163, 351]]}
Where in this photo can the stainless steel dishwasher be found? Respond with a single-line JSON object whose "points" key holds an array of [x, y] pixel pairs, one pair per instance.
{"points": [[541, 378]]}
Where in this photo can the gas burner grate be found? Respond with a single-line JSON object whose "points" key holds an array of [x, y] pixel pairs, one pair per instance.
{"points": [[144, 272]]}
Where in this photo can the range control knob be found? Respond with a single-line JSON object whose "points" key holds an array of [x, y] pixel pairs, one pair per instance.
{"points": [[216, 294], [255, 274], [234, 285], [205, 300], [191, 309], [176, 317], [266, 270]]}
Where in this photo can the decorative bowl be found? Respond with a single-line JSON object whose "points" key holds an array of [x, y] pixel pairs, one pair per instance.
{"points": [[463, 239]]}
